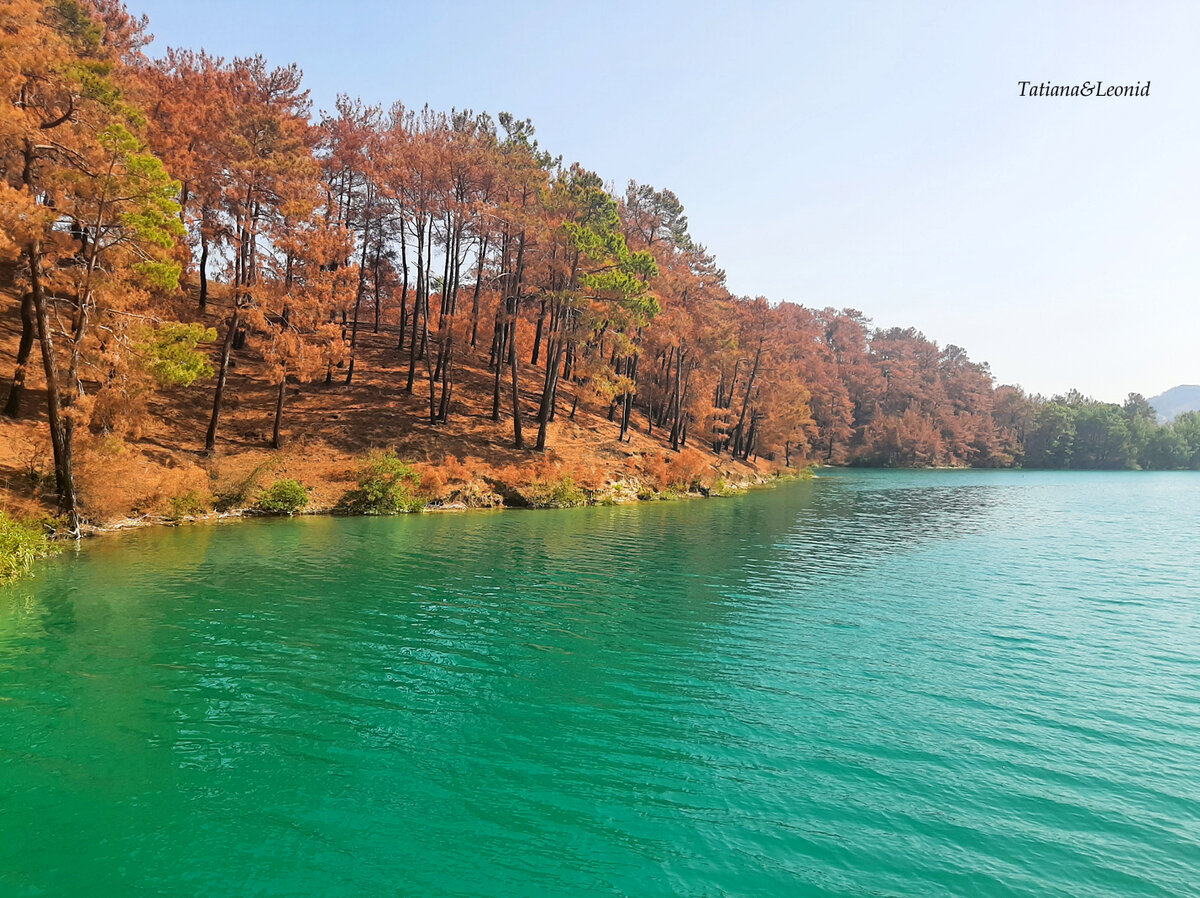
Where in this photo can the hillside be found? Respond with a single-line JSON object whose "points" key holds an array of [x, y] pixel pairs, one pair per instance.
{"points": [[1176, 401], [158, 469]]}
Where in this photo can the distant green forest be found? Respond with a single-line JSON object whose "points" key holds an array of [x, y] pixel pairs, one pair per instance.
{"points": [[1074, 431]]}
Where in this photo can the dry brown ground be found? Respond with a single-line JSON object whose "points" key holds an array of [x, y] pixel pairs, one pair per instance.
{"points": [[327, 431]]}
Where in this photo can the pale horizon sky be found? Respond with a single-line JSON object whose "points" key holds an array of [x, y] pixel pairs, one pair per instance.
{"points": [[861, 154]]}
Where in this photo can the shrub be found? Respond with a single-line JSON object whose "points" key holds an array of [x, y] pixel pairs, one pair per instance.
{"points": [[37, 468], [686, 471], [451, 482], [475, 495], [283, 497], [21, 544], [191, 504], [386, 485], [559, 493]]}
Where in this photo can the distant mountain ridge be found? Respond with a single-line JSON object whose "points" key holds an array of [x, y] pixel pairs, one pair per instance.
{"points": [[1176, 401]]}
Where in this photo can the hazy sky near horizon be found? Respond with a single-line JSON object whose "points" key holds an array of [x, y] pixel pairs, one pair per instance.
{"points": [[851, 154]]}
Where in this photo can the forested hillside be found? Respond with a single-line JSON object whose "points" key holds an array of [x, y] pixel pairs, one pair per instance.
{"points": [[199, 266]]}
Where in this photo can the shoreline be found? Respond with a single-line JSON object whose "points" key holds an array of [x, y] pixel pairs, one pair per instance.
{"points": [[21, 561], [597, 499]]}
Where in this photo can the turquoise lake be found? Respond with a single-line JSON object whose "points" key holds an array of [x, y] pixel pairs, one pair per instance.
{"points": [[876, 683]]}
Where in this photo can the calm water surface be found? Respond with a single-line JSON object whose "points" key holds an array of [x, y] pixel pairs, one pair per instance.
{"points": [[918, 683]]}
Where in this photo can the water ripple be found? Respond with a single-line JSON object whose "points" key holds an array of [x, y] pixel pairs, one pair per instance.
{"points": [[934, 683]]}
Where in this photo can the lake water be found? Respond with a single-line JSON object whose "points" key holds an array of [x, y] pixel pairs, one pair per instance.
{"points": [[877, 683]]}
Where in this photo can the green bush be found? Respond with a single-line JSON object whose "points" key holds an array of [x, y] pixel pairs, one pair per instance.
{"points": [[386, 485], [21, 544], [283, 497], [191, 504], [560, 493]]}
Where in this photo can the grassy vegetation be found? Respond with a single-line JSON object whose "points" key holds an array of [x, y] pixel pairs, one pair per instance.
{"points": [[808, 472], [283, 497], [191, 504], [559, 493], [722, 487], [21, 544], [238, 495]]}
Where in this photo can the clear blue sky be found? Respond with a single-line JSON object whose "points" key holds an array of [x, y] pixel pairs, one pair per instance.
{"points": [[865, 154]]}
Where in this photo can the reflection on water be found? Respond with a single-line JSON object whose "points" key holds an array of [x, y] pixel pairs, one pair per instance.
{"points": [[877, 683]]}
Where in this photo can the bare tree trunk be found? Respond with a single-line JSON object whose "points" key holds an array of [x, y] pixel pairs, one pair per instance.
{"points": [[627, 408], [739, 442], [554, 351], [498, 369], [475, 299], [677, 402], [203, 269], [12, 408], [416, 313], [61, 426], [276, 441], [518, 437], [210, 439], [425, 297], [429, 373], [403, 283], [537, 337], [375, 281], [618, 370], [446, 357], [358, 297]]}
